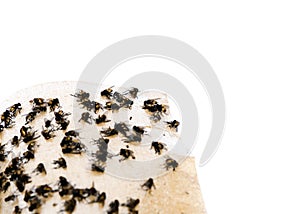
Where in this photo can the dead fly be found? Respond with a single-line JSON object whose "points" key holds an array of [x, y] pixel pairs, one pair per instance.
{"points": [[15, 109], [61, 119], [48, 133], [107, 93], [112, 106], [101, 119], [81, 96], [27, 156], [30, 117], [1, 128], [12, 197], [98, 167], [86, 117], [121, 128], [131, 204], [92, 105], [97, 106], [31, 146], [113, 207], [3, 152], [53, 104], [126, 153], [39, 105], [27, 134], [109, 132], [7, 119], [171, 163], [15, 141], [38, 101], [133, 138], [48, 123], [122, 100], [153, 106], [71, 145], [4, 182], [80, 194], [21, 181], [34, 203], [147, 186], [132, 92], [64, 187], [138, 129], [44, 190], [158, 147], [72, 133], [101, 153], [61, 163], [173, 124], [17, 210], [100, 198], [40, 169], [69, 205]]}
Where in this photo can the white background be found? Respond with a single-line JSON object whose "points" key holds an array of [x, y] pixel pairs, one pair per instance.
{"points": [[253, 46]]}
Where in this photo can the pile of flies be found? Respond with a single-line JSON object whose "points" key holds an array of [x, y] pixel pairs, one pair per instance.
{"points": [[158, 147]]}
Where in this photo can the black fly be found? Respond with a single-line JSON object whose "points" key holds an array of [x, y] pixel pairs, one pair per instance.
{"points": [[131, 204], [173, 124], [101, 119], [113, 207], [40, 169], [158, 147], [171, 163], [107, 93], [147, 186], [126, 153], [61, 163], [109, 132], [86, 117]]}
